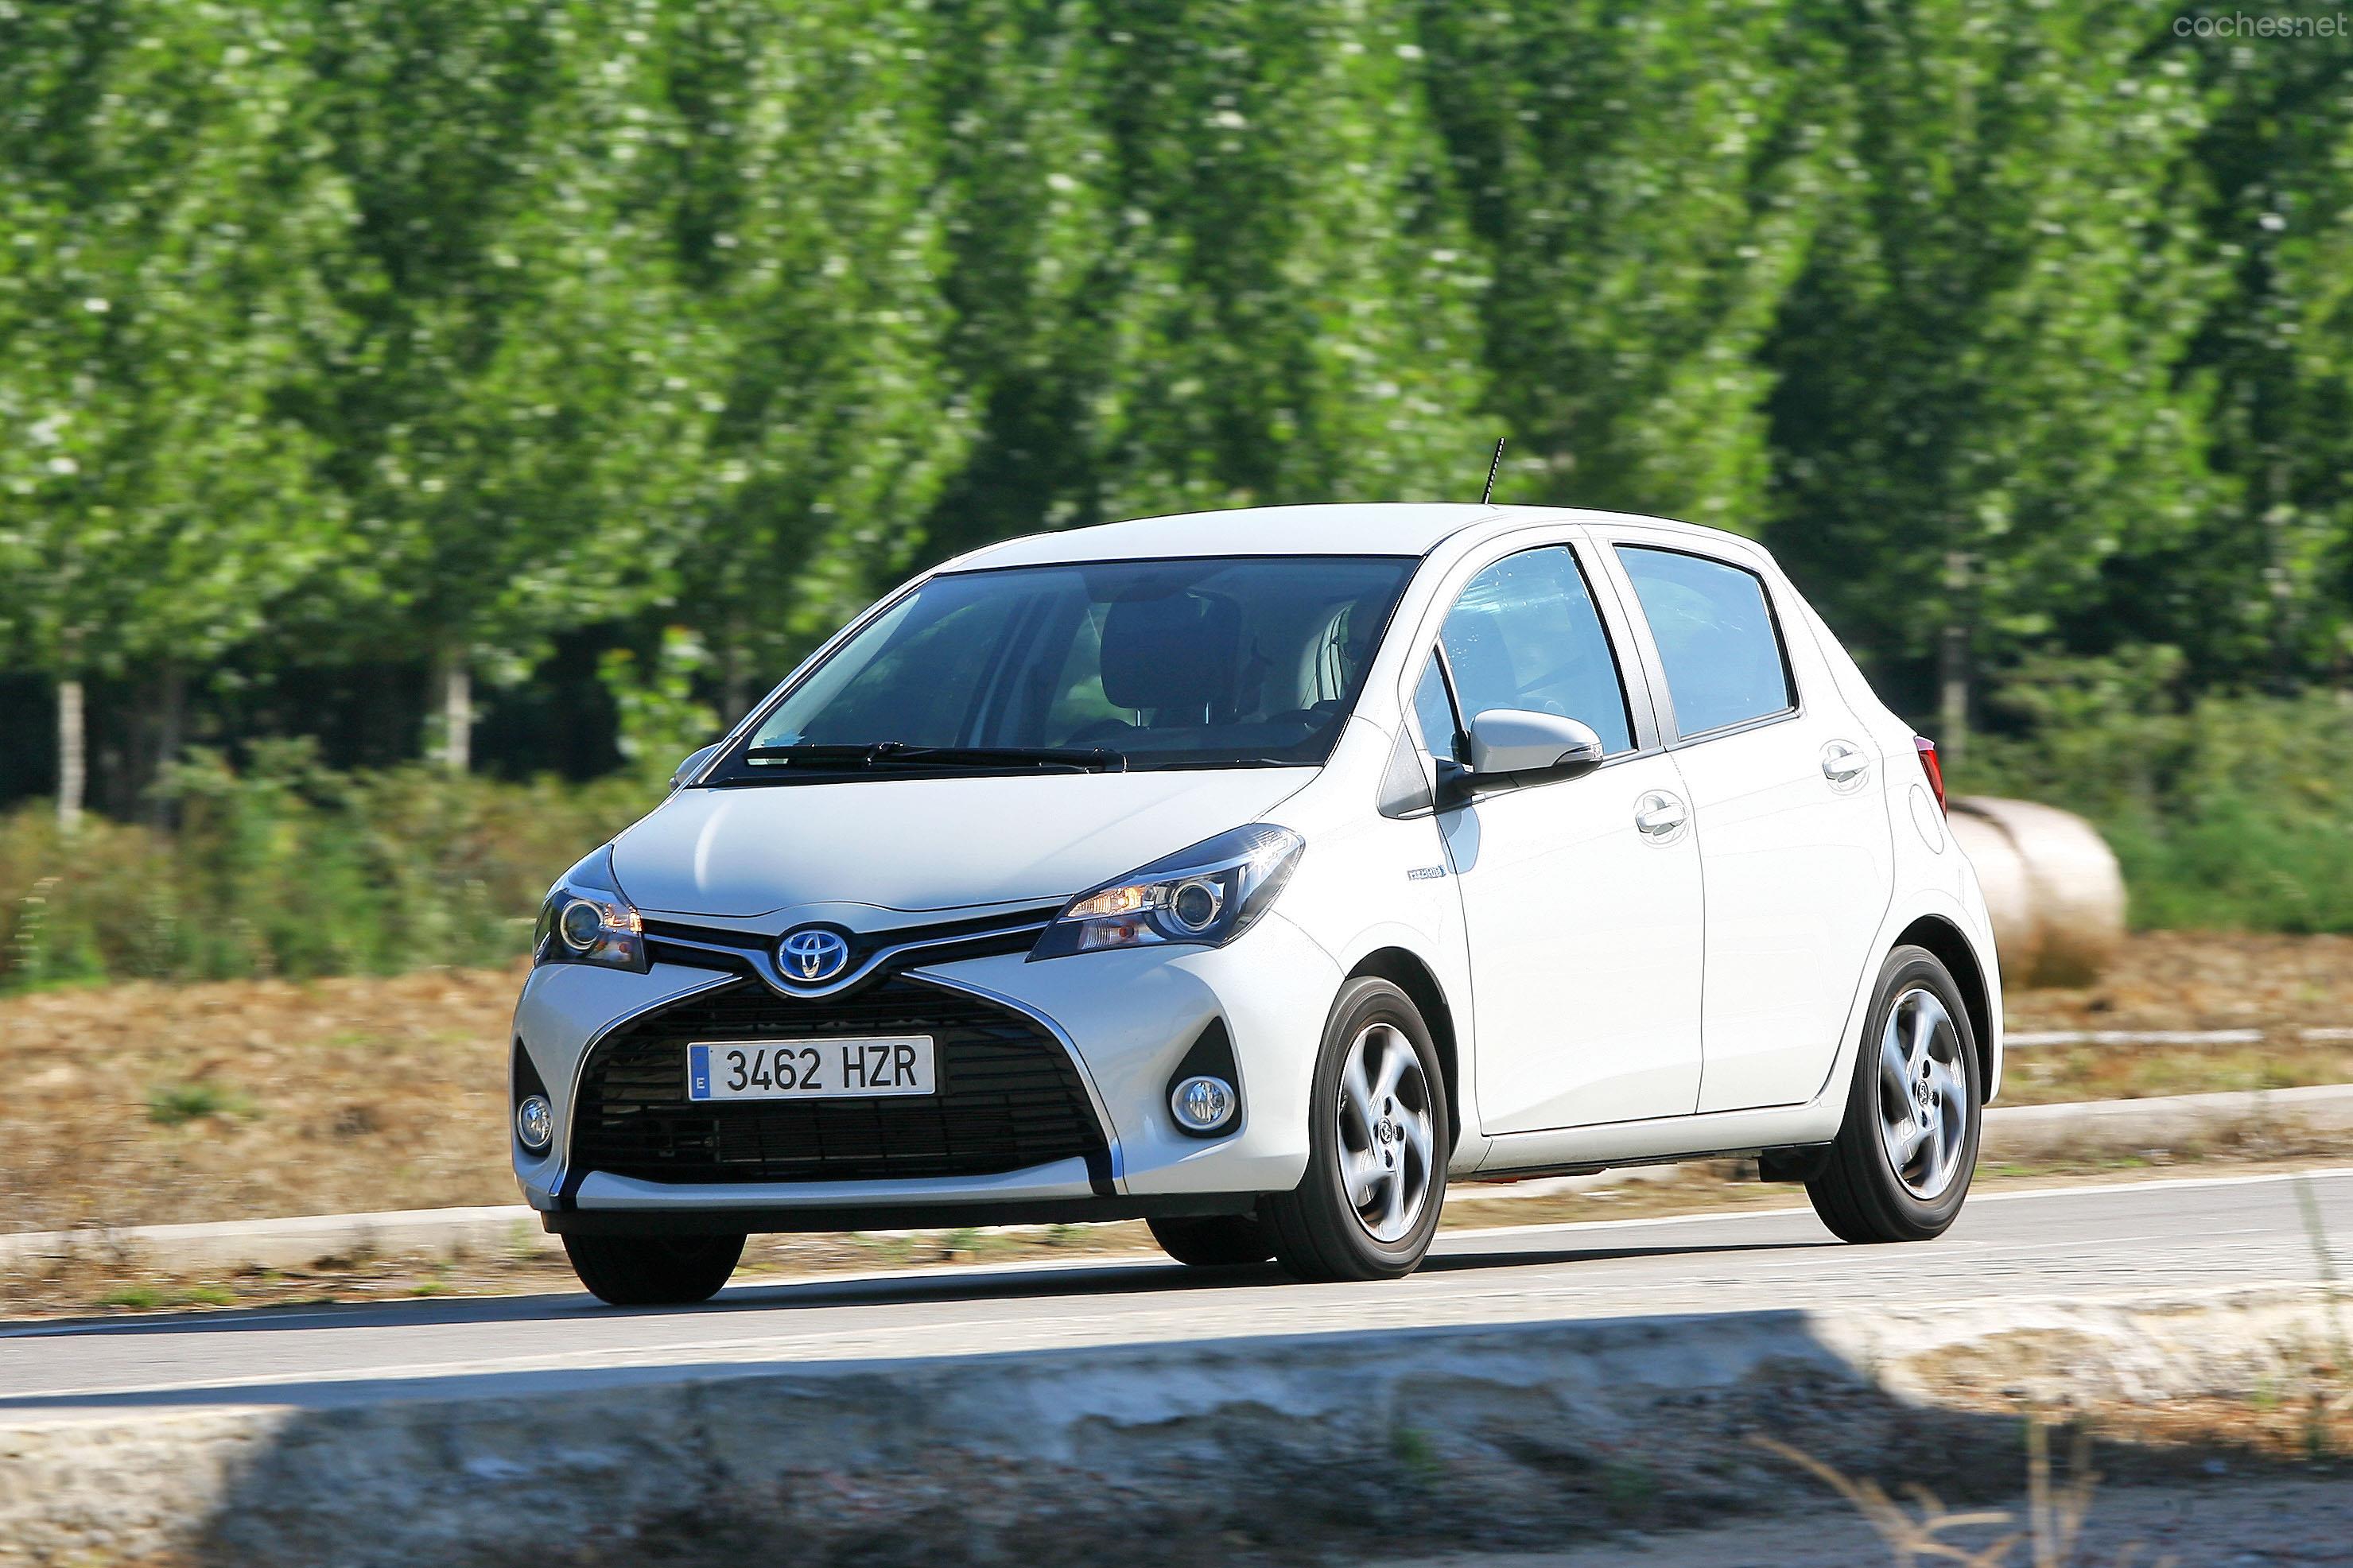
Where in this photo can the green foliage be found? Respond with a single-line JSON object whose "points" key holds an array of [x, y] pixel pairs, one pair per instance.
{"points": [[2224, 812], [156, 287], [376, 332], [177, 1104], [785, 156], [1647, 184], [1983, 354], [660, 721], [289, 868], [499, 398], [1289, 291]]}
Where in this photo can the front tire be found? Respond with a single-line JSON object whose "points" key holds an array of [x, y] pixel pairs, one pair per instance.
{"points": [[1214, 1241], [654, 1270], [1901, 1166], [1377, 1145]]}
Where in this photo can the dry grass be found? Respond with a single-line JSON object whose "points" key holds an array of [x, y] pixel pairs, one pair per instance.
{"points": [[1920, 1528], [147, 1104], [2046, 1075], [2182, 980], [2189, 980]]}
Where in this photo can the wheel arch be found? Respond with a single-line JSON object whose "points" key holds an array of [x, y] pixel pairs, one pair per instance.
{"points": [[1406, 970], [1952, 947]]}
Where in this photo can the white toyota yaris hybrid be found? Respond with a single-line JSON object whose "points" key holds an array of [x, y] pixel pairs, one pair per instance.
{"points": [[1253, 873]]}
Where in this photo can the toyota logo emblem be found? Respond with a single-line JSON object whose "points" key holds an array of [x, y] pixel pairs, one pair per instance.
{"points": [[812, 955]]}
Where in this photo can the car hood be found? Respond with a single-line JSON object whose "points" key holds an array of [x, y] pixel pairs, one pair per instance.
{"points": [[925, 843]]}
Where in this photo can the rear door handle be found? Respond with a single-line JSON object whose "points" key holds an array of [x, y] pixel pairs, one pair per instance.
{"points": [[1659, 814], [1842, 761]]}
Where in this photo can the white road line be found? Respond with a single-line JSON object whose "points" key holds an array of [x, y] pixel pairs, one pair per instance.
{"points": [[263, 1318], [2029, 1040]]}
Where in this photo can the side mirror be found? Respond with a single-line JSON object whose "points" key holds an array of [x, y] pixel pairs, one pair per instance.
{"points": [[695, 760], [1530, 748]]}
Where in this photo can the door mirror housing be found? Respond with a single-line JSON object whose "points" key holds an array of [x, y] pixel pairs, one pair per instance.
{"points": [[1515, 745], [695, 760]]}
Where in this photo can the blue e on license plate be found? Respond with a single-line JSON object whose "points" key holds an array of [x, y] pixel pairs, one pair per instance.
{"points": [[842, 1067]]}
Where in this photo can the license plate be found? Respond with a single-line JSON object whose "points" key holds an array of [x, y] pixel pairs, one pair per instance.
{"points": [[858, 1067]]}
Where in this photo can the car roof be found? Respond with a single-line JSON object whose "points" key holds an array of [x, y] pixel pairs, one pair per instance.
{"points": [[1366, 528]]}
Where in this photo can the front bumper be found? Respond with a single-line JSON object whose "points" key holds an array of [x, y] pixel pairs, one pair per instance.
{"points": [[1125, 1018]]}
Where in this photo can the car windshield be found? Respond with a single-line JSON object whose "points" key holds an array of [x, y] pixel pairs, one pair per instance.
{"points": [[1249, 662]]}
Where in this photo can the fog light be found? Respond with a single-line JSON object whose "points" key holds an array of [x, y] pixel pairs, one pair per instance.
{"points": [[535, 1123], [1203, 1104]]}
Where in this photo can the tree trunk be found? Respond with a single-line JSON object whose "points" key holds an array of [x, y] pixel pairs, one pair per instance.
{"points": [[73, 757], [1953, 662], [171, 726], [732, 676], [2279, 574], [457, 712]]}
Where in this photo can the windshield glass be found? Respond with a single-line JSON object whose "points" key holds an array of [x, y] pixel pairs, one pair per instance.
{"points": [[1235, 662]]}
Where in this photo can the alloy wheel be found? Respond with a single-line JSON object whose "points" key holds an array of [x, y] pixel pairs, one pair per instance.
{"points": [[1923, 1094], [1388, 1138]]}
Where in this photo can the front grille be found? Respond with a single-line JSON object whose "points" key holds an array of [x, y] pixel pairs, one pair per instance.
{"points": [[937, 941], [1010, 1096]]}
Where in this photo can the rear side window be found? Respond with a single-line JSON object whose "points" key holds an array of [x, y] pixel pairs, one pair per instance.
{"points": [[1716, 636], [1524, 633]]}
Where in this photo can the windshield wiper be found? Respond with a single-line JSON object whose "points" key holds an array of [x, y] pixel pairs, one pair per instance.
{"points": [[1202, 765], [894, 753]]}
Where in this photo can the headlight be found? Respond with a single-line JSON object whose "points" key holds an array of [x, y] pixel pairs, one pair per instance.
{"points": [[1208, 894], [586, 920]]}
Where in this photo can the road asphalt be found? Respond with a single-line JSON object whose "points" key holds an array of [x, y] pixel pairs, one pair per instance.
{"points": [[2073, 1243]]}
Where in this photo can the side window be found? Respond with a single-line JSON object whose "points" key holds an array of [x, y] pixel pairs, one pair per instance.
{"points": [[1526, 635], [1716, 636], [1433, 712]]}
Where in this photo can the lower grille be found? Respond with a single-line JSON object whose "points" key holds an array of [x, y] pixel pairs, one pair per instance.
{"points": [[1010, 1096]]}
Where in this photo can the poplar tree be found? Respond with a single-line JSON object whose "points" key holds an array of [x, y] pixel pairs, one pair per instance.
{"points": [[1291, 296], [1030, 220], [490, 408], [1646, 181], [2259, 591], [790, 165], [1978, 409], [155, 496]]}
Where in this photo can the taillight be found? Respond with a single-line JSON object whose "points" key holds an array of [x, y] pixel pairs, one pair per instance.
{"points": [[1931, 766]]}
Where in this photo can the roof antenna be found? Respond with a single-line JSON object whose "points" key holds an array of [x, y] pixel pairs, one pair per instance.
{"points": [[1496, 462]]}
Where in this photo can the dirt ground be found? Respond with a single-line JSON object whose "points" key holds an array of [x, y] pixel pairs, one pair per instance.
{"points": [[2189, 980], [149, 1104], [2199, 1526]]}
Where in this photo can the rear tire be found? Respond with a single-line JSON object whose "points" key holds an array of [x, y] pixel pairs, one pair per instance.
{"points": [[1390, 1131], [1215, 1241], [1901, 1166], [653, 1270]]}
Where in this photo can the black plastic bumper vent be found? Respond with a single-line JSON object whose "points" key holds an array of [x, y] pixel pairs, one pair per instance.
{"points": [[1010, 1096]]}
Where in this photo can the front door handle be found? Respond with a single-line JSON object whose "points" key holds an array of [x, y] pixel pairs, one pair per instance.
{"points": [[1658, 814], [1842, 761]]}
